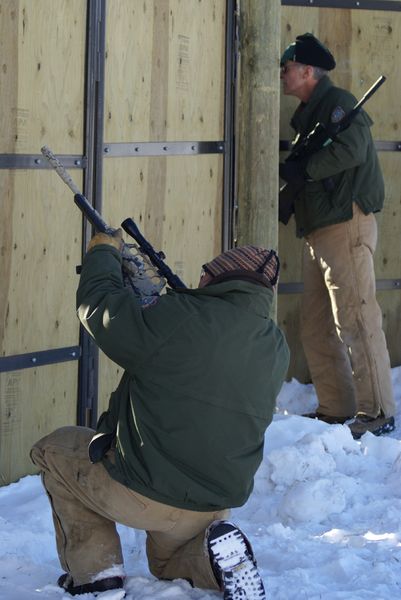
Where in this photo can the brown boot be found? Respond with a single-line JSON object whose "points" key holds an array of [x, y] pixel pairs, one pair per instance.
{"points": [[376, 425]]}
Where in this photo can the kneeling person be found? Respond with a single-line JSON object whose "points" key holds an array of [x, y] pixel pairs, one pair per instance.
{"points": [[183, 435]]}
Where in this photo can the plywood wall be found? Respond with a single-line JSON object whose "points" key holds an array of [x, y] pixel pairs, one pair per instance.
{"points": [[41, 75], [33, 403], [42, 90], [366, 44], [165, 72]]}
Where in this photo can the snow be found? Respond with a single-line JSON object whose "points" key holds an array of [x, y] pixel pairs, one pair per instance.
{"points": [[324, 519]]}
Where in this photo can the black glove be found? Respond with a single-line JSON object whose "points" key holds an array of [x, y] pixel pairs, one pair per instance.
{"points": [[293, 172]]}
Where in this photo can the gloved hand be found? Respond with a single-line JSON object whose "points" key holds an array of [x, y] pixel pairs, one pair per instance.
{"points": [[114, 240], [293, 172]]}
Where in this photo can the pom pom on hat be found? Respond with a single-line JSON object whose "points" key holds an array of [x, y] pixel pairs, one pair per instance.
{"points": [[308, 50], [258, 261]]}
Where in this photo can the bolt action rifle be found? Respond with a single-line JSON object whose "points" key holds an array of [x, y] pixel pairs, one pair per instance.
{"points": [[144, 269], [320, 137]]}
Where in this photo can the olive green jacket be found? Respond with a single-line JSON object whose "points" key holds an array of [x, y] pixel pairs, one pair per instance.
{"points": [[203, 368], [350, 161]]}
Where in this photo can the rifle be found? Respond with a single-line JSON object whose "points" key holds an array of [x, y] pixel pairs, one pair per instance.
{"points": [[144, 269], [320, 137]]}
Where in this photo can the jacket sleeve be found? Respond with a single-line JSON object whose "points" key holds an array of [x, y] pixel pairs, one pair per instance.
{"points": [[112, 314], [348, 151]]}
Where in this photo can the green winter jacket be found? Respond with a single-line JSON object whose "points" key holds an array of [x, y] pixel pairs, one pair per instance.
{"points": [[350, 161], [202, 367]]}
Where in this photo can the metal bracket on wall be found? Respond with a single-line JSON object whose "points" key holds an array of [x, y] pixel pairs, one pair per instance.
{"points": [[380, 145], [162, 148], [39, 359], [390, 5], [383, 146], [381, 285], [36, 161]]}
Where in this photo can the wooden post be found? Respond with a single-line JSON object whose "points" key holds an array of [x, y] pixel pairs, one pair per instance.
{"points": [[258, 122]]}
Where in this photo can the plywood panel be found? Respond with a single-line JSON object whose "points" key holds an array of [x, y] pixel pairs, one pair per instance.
{"points": [[8, 70], [42, 79], [388, 254], [42, 75], [390, 303], [365, 44], [177, 203], [41, 246], [34, 402], [165, 70], [288, 318]]}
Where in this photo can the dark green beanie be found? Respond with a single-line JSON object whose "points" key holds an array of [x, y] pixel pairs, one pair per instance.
{"points": [[308, 50]]}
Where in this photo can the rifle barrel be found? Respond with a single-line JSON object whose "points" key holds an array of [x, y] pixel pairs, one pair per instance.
{"points": [[370, 92]]}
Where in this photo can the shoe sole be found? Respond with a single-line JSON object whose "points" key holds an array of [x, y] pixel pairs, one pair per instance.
{"points": [[240, 576]]}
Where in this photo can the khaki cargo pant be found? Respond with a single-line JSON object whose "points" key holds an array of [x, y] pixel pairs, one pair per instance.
{"points": [[341, 321], [86, 503]]}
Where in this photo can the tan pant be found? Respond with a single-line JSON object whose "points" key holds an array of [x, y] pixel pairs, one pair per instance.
{"points": [[87, 502], [341, 323]]}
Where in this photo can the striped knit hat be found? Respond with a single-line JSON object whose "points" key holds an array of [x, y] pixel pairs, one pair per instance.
{"points": [[261, 263]]}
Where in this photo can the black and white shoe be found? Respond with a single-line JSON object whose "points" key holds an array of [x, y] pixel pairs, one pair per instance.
{"points": [[234, 563]]}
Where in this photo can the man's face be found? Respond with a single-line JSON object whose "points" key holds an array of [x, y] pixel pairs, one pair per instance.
{"points": [[294, 76]]}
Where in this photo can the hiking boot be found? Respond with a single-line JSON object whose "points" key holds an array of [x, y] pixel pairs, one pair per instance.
{"points": [[233, 562], [327, 418], [101, 585], [376, 425]]}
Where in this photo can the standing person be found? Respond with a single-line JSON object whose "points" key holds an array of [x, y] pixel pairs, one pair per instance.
{"points": [[341, 321], [183, 436]]}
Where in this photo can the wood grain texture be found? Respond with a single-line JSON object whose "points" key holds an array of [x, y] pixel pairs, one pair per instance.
{"points": [[42, 79], [34, 402], [165, 70], [42, 56], [258, 123], [38, 312]]}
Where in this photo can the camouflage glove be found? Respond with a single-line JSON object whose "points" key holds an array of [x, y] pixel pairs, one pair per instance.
{"points": [[114, 240]]}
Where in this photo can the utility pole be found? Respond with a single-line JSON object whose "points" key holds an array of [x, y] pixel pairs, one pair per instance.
{"points": [[258, 122]]}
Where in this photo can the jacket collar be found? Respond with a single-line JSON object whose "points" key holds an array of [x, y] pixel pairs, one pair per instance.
{"points": [[250, 296], [303, 114]]}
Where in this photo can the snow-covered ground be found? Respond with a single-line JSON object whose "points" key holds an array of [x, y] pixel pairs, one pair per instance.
{"points": [[324, 519]]}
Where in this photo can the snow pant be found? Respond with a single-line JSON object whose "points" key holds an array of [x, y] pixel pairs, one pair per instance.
{"points": [[341, 321], [86, 504]]}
